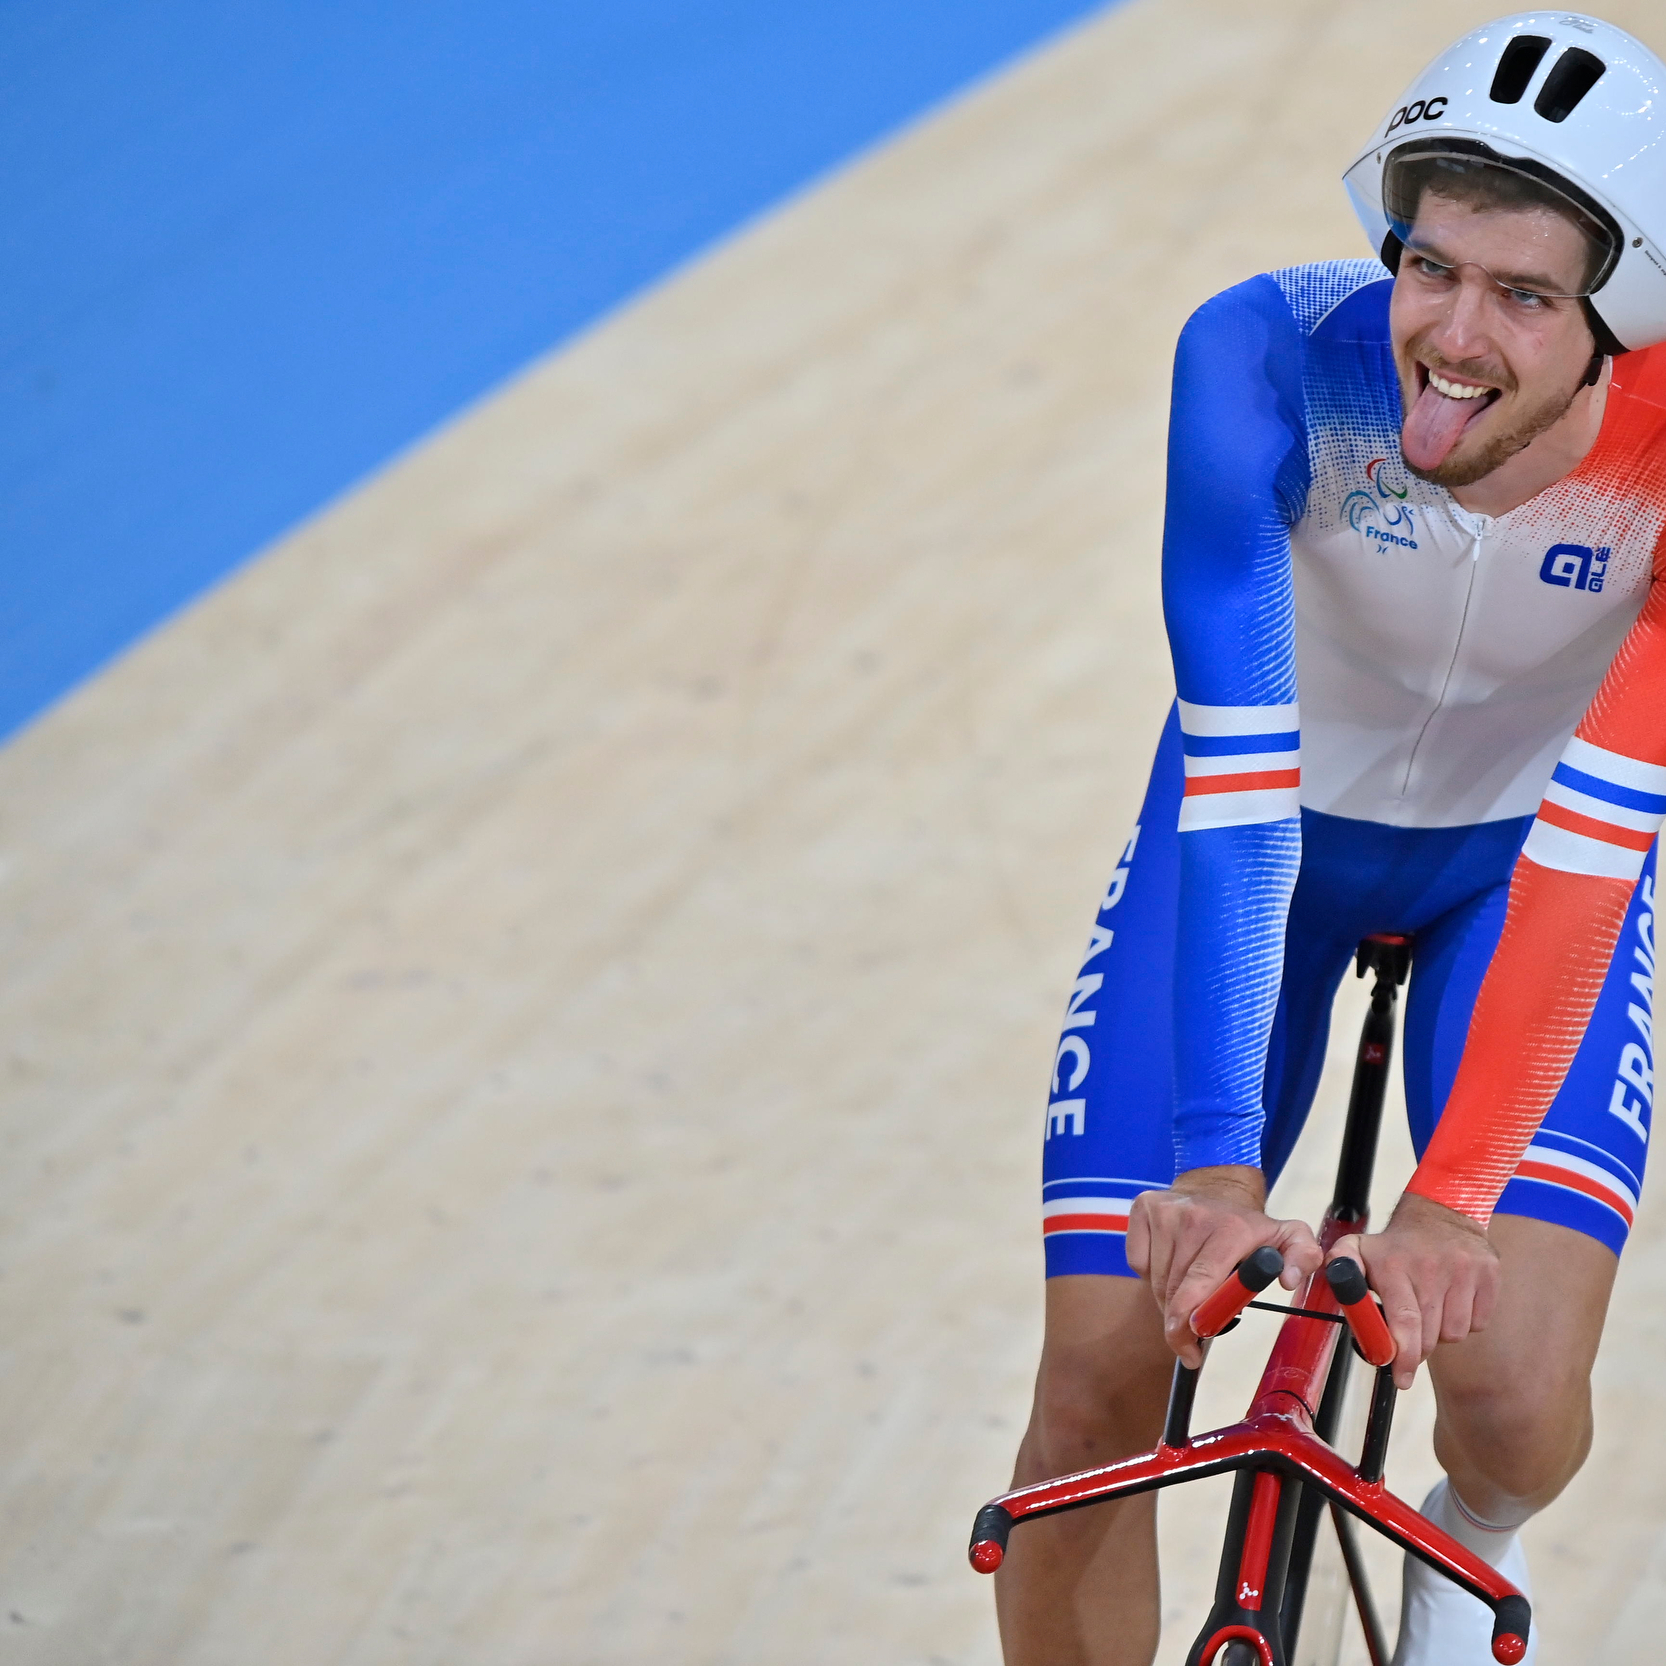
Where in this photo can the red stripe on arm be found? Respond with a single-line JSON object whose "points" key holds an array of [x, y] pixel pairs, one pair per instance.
{"points": [[1559, 815], [1242, 783]]}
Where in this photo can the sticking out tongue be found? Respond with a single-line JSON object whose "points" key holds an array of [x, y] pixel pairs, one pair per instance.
{"points": [[1433, 425]]}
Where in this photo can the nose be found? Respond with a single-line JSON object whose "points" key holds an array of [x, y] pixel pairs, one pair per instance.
{"points": [[1462, 332]]}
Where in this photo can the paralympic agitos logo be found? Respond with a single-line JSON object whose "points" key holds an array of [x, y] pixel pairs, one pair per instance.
{"points": [[1381, 512]]}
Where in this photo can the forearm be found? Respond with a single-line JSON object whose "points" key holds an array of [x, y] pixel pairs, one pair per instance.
{"points": [[1236, 884], [1537, 999]]}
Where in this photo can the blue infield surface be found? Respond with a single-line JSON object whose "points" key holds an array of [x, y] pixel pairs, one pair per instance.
{"points": [[253, 250]]}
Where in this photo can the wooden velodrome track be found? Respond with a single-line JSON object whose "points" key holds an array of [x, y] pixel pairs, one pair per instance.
{"points": [[527, 1012]]}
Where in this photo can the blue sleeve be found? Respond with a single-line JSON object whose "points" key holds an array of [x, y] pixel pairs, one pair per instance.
{"points": [[1237, 482]]}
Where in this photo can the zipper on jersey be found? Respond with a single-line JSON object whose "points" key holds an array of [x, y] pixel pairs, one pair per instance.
{"points": [[1480, 526]]}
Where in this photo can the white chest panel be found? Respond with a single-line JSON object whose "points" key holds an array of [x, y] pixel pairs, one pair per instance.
{"points": [[1444, 658]]}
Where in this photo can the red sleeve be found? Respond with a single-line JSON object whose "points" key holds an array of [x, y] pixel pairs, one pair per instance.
{"points": [[1568, 899]]}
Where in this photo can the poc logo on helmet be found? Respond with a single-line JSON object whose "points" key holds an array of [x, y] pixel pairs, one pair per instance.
{"points": [[1425, 109], [1575, 566]]}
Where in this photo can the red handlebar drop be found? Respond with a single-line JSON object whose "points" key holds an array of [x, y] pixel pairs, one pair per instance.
{"points": [[1252, 1275], [1365, 1319]]}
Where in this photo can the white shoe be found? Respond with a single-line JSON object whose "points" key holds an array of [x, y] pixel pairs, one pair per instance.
{"points": [[1441, 1624]]}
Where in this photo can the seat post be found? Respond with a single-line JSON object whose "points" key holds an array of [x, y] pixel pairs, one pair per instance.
{"points": [[1389, 958]]}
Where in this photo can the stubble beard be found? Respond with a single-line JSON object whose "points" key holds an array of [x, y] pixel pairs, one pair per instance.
{"points": [[1463, 468]]}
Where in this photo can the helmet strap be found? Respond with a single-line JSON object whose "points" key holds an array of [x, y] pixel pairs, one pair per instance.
{"points": [[1608, 345], [1606, 341]]}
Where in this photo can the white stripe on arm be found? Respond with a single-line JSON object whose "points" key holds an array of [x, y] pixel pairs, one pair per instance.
{"points": [[1601, 812], [1243, 765]]}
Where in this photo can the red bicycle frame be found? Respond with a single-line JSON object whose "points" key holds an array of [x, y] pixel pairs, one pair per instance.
{"points": [[1286, 1471]]}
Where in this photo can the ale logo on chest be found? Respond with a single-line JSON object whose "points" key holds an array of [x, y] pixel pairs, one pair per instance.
{"points": [[1575, 567]]}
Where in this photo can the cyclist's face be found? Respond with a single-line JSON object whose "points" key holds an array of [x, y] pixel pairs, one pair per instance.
{"points": [[1479, 305]]}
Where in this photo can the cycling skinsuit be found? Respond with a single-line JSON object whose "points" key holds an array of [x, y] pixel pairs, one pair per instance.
{"points": [[1394, 715]]}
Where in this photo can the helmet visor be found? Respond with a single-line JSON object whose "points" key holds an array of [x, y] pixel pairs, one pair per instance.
{"points": [[1551, 263]]}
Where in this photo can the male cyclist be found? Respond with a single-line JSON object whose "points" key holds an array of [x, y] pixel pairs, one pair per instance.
{"points": [[1416, 519]]}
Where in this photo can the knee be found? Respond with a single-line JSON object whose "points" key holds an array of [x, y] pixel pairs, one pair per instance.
{"points": [[1094, 1405], [1528, 1433]]}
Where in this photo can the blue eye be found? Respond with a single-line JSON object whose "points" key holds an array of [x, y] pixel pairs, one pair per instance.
{"points": [[1525, 298], [1433, 268]]}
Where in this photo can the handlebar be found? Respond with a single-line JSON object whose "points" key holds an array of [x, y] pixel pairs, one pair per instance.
{"points": [[1252, 1275], [1346, 1278], [1348, 1284]]}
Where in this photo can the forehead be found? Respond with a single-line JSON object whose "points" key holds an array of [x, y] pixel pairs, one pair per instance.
{"points": [[1528, 242]]}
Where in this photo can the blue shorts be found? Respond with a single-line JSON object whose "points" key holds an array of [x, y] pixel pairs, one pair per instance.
{"points": [[1110, 1120]]}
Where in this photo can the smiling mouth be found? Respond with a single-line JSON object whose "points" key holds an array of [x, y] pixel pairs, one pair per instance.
{"points": [[1452, 387], [1444, 408]]}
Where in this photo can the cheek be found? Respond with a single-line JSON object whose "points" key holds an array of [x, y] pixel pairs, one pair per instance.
{"points": [[1546, 358], [1400, 310], [1411, 314]]}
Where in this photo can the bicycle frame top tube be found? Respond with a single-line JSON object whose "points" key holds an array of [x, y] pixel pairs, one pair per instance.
{"points": [[1295, 1370]]}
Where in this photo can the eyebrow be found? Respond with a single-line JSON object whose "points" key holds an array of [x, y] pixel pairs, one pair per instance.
{"points": [[1510, 280]]}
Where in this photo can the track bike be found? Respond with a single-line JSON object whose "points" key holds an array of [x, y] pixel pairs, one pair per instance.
{"points": [[1291, 1482]]}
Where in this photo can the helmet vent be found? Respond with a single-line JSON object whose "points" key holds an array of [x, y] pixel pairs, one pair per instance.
{"points": [[1515, 69], [1576, 73]]}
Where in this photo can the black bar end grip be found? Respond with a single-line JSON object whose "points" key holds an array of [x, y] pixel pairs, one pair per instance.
{"points": [[1512, 1621], [1346, 1278], [1259, 1268], [989, 1538]]}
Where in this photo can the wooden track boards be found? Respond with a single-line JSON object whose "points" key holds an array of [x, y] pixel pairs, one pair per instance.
{"points": [[527, 1011]]}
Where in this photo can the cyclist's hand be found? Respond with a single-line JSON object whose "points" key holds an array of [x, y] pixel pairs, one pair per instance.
{"points": [[1187, 1240], [1437, 1274]]}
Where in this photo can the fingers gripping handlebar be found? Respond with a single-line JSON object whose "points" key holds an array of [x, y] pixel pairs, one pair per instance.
{"points": [[1344, 1275], [1248, 1279]]}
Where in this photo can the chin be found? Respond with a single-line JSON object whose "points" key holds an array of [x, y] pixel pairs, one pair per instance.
{"points": [[1469, 462], [1494, 440]]}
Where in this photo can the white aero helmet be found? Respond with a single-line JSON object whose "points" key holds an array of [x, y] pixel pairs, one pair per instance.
{"points": [[1567, 101]]}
